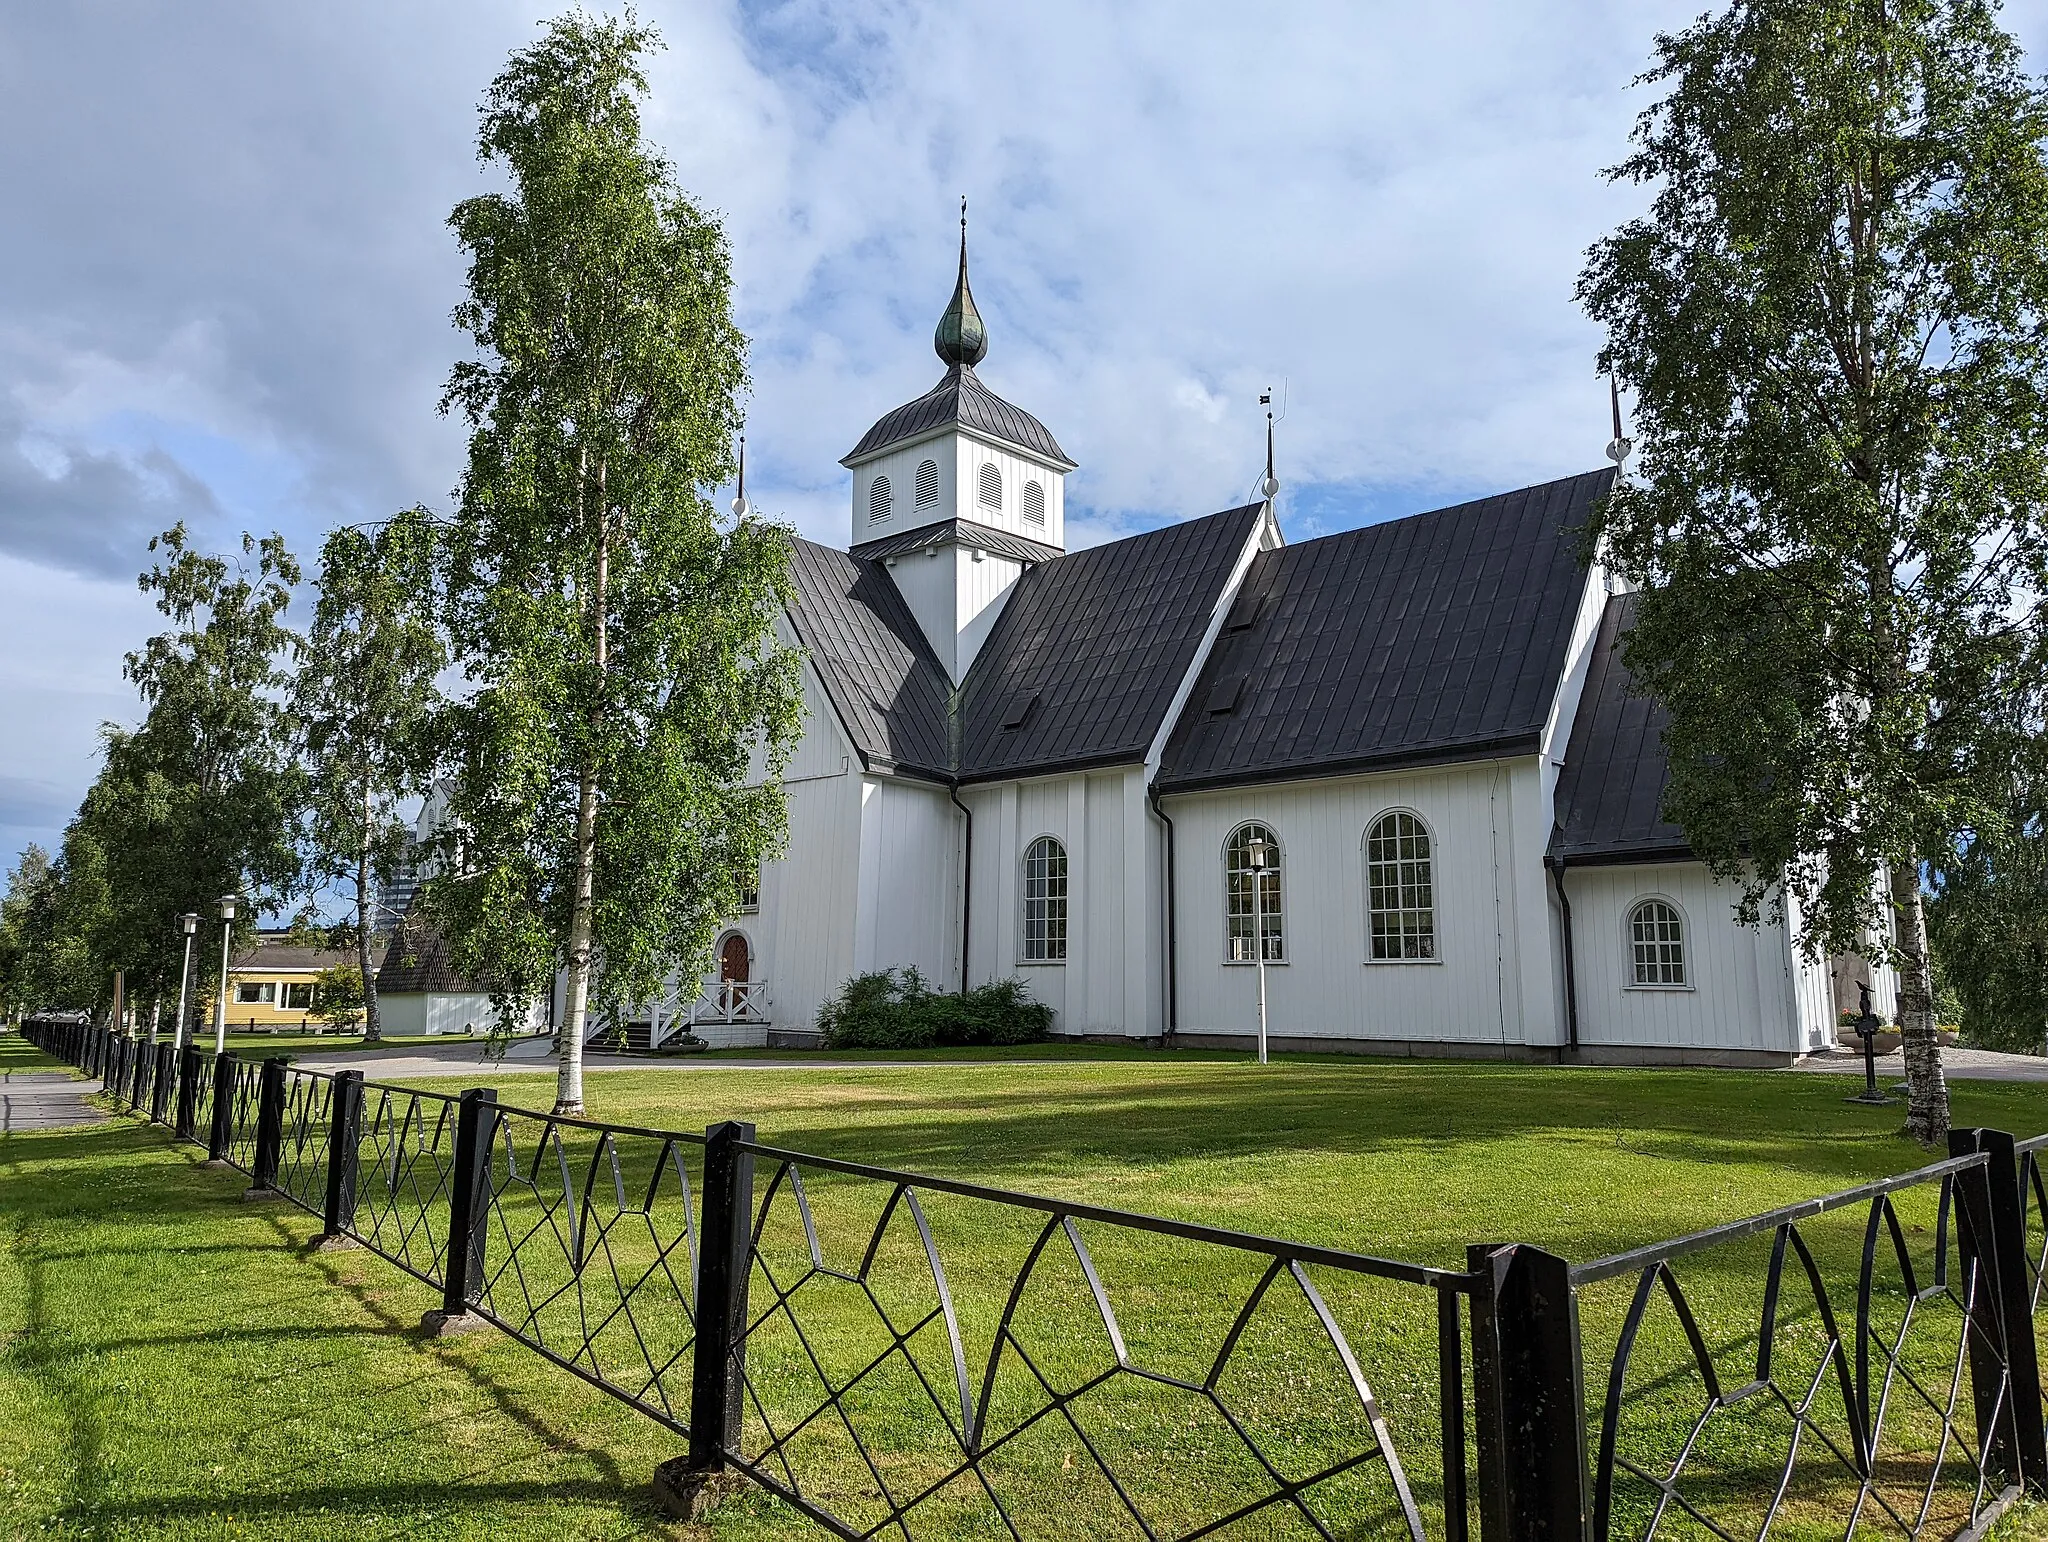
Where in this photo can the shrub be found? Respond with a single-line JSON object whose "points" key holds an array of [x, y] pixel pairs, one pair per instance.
{"points": [[897, 1009]]}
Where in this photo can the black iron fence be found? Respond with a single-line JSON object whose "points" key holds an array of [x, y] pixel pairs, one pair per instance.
{"points": [[902, 1355]]}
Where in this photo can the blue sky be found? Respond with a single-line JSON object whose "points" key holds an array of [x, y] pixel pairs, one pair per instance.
{"points": [[226, 279]]}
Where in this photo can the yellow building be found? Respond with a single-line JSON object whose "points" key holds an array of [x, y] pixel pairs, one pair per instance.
{"points": [[272, 985]]}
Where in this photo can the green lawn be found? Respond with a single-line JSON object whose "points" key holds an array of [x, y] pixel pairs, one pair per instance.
{"points": [[171, 1360]]}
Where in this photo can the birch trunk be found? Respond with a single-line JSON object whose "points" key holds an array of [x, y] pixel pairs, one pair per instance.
{"points": [[576, 1005], [1926, 1086], [373, 1029]]}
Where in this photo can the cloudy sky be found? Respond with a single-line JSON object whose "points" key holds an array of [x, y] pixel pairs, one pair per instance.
{"points": [[225, 276]]}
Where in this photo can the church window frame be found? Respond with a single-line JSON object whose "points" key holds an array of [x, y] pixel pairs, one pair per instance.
{"points": [[1240, 913], [1399, 850], [1656, 935], [989, 486], [1034, 504], [927, 484], [879, 499], [1043, 919]]}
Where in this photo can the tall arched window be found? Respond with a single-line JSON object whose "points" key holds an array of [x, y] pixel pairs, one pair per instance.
{"points": [[878, 501], [1400, 888], [991, 486], [1045, 902], [1034, 503], [927, 484], [1246, 907], [1656, 937]]}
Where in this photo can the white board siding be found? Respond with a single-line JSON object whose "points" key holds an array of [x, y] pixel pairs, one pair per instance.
{"points": [[960, 455], [1474, 993], [1743, 994], [908, 889]]}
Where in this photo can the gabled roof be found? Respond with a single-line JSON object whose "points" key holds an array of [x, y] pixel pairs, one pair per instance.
{"points": [[1610, 793], [960, 398], [876, 665], [1436, 637], [1086, 656], [959, 532], [416, 962], [288, 958]]}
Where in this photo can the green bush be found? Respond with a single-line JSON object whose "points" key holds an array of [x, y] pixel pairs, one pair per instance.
{"points": [[898, 1009]]}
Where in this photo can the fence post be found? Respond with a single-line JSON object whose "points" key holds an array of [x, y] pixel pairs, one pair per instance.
{"points": [[469, 1214], [1528, 1395], [2005, 1367], [269, 1132], [692, 1484], [220, 1134], [166, 1079], [188, 1091], [344, 1136]]}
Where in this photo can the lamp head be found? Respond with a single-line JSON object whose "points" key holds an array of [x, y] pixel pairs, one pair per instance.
{"points": [[227, 906], [188, 923]]}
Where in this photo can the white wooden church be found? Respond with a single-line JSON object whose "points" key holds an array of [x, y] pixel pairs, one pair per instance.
{"points": [[1023, 761]]}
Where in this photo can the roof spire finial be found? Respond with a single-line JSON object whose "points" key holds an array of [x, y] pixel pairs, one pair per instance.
{"points": [[1271, 484], [1618, 447], [961, 339], [740, 507]]}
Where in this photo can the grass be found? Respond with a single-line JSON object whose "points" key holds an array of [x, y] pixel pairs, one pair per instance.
{"points": [[125, 1275]]}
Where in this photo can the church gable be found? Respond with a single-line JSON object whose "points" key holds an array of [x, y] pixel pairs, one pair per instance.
{"points": [[1437, 637]]}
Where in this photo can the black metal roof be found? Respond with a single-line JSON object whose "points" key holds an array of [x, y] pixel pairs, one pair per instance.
{"points": [[960, 398], [1429, 638], [877, 667], [416, 961], [1085, 658], [961, 532], [1610, 793]]}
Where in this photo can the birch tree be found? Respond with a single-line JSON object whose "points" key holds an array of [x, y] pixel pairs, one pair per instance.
{"points": [[1832, 318], [363, 702], [614, 762]]}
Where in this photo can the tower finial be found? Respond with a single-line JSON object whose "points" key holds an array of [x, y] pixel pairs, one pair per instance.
{"points": [[740, 507], [961, 339], [1271, 484], [1618, 447]]}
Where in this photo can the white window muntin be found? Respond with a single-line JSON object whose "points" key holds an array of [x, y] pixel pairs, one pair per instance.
{"points": [[1242, 908], [1045, 902], [1654, 932], [1400, 889]]}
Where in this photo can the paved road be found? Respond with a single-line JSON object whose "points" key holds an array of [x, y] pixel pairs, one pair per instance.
{"points": [[44, 1100]]}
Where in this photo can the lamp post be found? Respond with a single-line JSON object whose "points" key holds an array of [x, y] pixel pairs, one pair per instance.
{"points": [[220, 1002], [1258, 856], [1866, 1026], [188, 923]]}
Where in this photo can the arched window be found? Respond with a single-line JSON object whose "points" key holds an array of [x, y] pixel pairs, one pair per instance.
{"points": [[927, 484], [1045, 902], [1656, 937], [878, 501], [1034, 504], [1400, 887], [991, 486], [1252, 849]]}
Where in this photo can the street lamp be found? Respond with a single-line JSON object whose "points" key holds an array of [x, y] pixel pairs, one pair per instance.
{"points": [[1258, 856], [188, 923], [220, 1002]]}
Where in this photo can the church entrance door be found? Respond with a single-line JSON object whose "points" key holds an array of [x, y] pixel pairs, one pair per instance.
{"points": [[735, 967]]}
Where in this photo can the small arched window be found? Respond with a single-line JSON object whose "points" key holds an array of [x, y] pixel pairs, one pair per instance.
{"points": [[991, 486], [928, 484], [1045, 902], [878, 501], [1400, 887], [1656, 937], [1034, 503], [1252, 894]]}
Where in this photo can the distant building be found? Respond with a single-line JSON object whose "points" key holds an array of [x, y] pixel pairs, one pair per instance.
{"points": [[419, 991], [392, 897], [273, 985]]}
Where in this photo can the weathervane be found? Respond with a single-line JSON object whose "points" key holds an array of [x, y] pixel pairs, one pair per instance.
{"points": [[1271, 484], [740, 507], [1618, 447]]}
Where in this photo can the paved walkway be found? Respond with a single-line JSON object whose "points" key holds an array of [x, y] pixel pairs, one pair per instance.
{"points": [[1983, 1065], [44, 1100]]}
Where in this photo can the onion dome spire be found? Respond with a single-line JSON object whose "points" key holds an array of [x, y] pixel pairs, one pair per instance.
{"points": [[961, 338]]}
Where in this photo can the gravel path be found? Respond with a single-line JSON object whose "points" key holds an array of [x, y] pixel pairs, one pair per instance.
{"points": [[45, 1100], [1960, 1064]]}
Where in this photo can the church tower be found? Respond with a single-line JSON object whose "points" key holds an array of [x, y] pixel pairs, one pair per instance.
{"points": [[958, 492]]}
